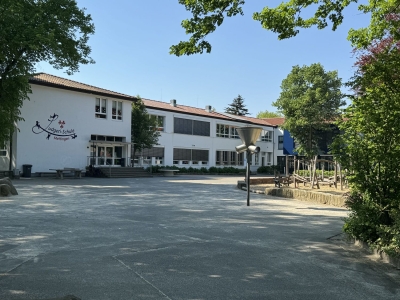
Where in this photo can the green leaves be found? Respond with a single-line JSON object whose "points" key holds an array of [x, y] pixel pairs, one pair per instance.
{"points": [[237, 107], [369, 150], [144, 128], [310, 101], [207, 16], [287, 19], [56, 31]]}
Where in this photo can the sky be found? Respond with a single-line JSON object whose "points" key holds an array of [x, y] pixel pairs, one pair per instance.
{"points": [[131, 49]]}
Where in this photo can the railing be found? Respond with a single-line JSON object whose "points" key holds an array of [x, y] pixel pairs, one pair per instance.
{"points": [[108, 161]]}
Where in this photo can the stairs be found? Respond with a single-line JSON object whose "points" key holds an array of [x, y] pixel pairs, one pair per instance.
{"points": [[124, 172]]}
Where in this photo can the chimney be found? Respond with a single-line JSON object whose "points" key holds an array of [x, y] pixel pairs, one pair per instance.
{"points": [[173, 102], [208, 108]]}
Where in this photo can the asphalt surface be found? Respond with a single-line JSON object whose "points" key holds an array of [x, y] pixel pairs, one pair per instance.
{"points": [[182, 237]]}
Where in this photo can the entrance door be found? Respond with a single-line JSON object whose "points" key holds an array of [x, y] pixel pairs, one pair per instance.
{"points": [[109, 156], [101, 155]]}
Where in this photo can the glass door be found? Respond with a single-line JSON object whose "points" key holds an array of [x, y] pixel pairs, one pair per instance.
{"points": [[101, 155], [109, 156], [118, 156]]}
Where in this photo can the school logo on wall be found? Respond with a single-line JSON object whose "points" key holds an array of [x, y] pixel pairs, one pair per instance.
{"points": [[55, 129]]}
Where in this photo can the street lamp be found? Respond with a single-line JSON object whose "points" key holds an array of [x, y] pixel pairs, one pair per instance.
{"points": [[249, 136]]}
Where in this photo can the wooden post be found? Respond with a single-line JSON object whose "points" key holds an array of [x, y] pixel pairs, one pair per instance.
{"points": [[287, 166], [335, 178], [294, 171], [323, 168]]}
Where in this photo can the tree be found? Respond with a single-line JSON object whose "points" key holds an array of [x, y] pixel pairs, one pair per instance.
{"points": [[268, 114], [237, 107], [369, 148], [144, 129], [56, 31], [286, 20], [310, 101]]}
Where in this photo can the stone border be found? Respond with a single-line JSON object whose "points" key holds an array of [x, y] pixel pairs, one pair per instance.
{"points": [[378, 254], [318, 197]]}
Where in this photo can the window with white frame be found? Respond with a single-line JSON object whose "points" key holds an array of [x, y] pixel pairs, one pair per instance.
{"points": [[280, 142], [160, 122], [116, 110], [230, 158], [256, 159], [266, 136], [3, 150], [227, 131], [222, 131], [269, 158], [101, 108], [193, 156], [234, 133]]}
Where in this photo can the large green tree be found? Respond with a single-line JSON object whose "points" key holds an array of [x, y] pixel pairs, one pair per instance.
{"points": [[286, 20], [369, 148], [237, 107], [144, 129], [310, 100], [55, 31], [268, 114]]}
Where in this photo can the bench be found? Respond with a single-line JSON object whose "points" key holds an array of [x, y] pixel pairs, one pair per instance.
{"points": [[6, 173], [168, 172], [60, 172]]}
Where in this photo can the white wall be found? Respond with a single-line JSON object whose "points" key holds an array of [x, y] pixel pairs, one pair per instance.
{"points": [[77, 110], [170, 140]]}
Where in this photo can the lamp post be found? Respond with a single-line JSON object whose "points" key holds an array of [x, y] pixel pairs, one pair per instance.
{"points": [[249, 136]]}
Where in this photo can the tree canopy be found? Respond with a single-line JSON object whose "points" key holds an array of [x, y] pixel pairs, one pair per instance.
{"points": [[55, 31], [369, 148], [286, 20], [237, 107], [144, 127], [310, 100], [268, 114]]}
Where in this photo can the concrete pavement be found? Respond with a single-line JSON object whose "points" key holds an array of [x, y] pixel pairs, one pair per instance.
{"points": [[183, 237]]}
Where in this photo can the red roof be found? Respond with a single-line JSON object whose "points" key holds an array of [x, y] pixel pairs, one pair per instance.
{"points": [[62, 83], [202, 112], [275, 121], [58, 82]]}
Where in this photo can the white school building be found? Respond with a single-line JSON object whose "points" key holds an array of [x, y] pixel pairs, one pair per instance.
{"points": [[68, 124]]}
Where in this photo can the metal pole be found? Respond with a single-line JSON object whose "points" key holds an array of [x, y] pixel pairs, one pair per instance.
{"points": [[248, 177]]}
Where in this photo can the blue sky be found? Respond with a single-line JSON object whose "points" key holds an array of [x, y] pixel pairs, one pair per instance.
{"points": [[131, 50]]}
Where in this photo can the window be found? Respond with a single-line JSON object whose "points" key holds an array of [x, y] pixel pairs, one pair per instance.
{"points": [[190, 155], [192, 127], [223, 130], [280, 142], [269, 158], [107, 138], [160, 122], [117, 110], [266, 136], [256, 159], [227, 131], [234, 133], [230, 158], [101, 108], [3, 150]]}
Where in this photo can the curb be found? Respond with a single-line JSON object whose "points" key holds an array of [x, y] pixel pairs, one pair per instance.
{"points": [[379, 254]]}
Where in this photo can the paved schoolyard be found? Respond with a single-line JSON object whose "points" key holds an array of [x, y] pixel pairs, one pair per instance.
{"points": [[183, 237]]}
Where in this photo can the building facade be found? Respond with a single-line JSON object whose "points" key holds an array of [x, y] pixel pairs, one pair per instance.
{"points": [[68, 124]]}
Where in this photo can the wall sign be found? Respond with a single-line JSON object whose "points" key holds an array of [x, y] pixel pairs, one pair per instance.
{"points": [[57, 130]]}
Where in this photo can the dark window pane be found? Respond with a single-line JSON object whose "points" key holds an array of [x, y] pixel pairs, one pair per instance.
{"points": [[154, 152], [182, 154], [201, 155], [201, 128], [183, 126]]}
